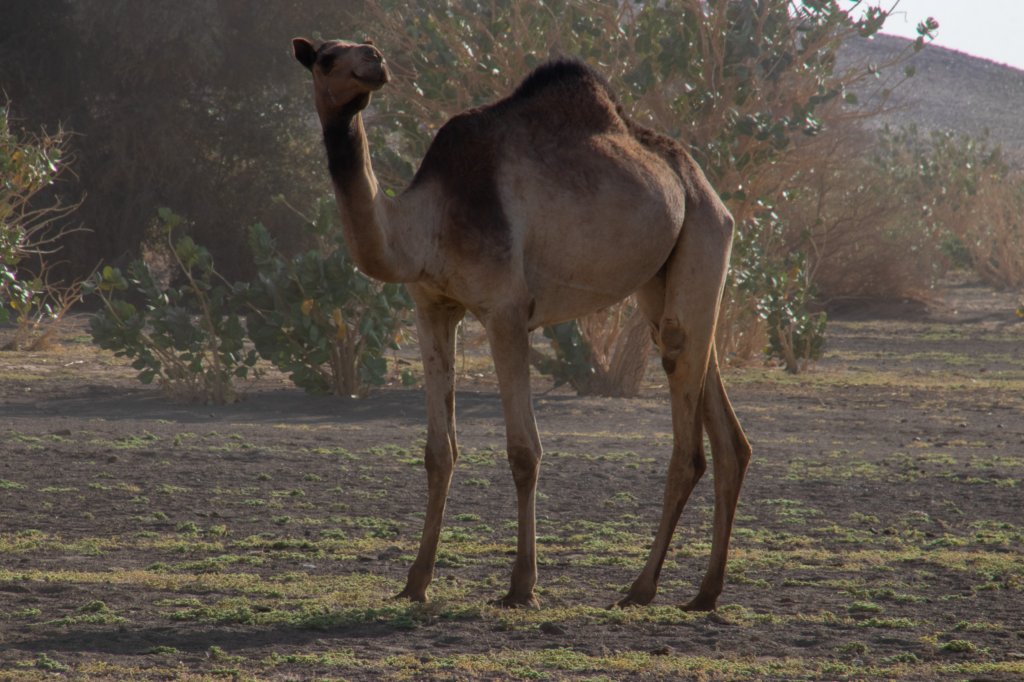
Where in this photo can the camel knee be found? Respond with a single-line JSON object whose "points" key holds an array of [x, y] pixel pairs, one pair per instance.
{"points": [[671, 339], [699, 464], [689, 465], [525, 465], [439, 462]]}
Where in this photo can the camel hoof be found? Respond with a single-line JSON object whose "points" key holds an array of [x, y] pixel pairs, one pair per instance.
{"points": [[510, 601], [700, 603], [625, 603], [410, 595], [634, 598]]}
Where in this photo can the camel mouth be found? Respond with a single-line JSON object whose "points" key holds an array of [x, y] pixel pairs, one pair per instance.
{"points": [[374, 83], [374, 78]]}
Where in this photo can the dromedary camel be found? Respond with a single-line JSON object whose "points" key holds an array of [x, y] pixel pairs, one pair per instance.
{"points": [[542, 207]]}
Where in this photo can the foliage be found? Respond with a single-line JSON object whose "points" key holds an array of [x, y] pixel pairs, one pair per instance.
{"points": [[601, 354], [753, 88], [316, 316], [993, 235], [960, 200], [891, 222], [781, 293], [188, 338], [795, 335], [742, 84], [572, 363], [29, 297]]}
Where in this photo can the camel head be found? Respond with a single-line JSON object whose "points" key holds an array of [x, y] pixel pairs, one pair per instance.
{"points": [[344, 74]]}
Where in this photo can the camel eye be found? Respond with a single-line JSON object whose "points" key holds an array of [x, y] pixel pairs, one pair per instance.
{"points": [[326, 61]]}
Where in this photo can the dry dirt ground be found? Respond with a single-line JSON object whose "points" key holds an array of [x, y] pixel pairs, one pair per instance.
{"points": [[880, 532]]}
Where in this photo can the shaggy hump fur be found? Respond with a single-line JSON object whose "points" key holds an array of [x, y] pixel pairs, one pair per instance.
{"points": [[566, 95], [465, 153], [559, 72]]}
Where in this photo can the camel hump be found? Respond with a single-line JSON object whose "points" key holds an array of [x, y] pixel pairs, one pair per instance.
{"points": [[559, 74]]}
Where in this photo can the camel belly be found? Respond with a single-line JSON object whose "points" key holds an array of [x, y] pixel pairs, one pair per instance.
{"points": [[591, 240]]}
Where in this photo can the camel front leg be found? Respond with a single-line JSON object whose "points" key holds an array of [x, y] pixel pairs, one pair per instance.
{"points": [[436, 323], [510, 345]]}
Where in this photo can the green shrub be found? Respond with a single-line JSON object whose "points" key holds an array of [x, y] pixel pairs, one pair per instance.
{"points": [[29, 237], [316, 317], [187, 338], [742, 84], [573, 361]]}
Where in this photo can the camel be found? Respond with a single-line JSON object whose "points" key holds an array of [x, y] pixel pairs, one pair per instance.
{"points": [[539, 208]]}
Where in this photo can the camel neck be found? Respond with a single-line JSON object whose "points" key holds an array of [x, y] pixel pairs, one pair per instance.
{"points": [[345, 142], [377, 246]]}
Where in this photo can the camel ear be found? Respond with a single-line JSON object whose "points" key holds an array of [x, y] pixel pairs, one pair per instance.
{"points": [[367, 41], [304, 52]]}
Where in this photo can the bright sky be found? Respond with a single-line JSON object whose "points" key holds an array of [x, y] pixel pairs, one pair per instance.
{"points": [[983, 28]]}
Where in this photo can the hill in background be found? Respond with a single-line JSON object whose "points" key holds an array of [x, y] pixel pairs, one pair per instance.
{"points": [[953, 91]]}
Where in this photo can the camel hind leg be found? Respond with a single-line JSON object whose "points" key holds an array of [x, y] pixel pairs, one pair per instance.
{"points": [[730, 453], [683, 305]]}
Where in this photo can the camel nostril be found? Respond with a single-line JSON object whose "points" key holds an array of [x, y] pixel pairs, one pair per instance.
{"points": [[372, 55]]}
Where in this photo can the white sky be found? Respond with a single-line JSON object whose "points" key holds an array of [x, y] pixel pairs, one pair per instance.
{"points": [[984, 28]]}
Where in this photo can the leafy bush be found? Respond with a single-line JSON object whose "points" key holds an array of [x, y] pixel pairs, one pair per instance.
{"points": [[993, 237], [741, 84], [795, 335], [316, 317], [186, 338], [781, 292], [600, 354], [963, 199], [894, 221], [28, 296]]}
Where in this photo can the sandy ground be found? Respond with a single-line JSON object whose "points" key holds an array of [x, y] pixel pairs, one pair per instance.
{"points": [[881, 528]]}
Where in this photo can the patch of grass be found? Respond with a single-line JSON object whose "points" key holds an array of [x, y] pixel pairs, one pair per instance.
{"points": [[28, 612], [93, 613], [345, 658], [853, 648], [958, 646], [215, 653], [621, 499], [236, 610], [294, 492], [162, 650], [790, 511], [168, 489], [864, 607], [889, 623], [134, 442], [44, 662], [977, 626]]}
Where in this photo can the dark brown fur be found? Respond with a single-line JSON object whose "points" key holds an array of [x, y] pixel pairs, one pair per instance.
{"points": [[566, 99], [464, 159]]}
